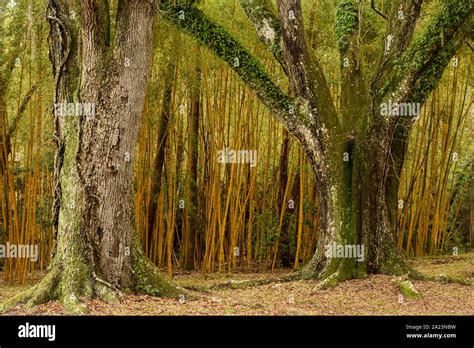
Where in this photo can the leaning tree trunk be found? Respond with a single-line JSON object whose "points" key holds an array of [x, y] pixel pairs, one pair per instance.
{"points": [[98, 253]]}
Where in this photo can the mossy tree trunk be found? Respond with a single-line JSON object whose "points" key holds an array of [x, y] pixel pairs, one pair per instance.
{"points": [[98, 254], [356, 153]]}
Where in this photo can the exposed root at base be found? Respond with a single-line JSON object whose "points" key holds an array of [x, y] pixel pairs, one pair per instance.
{"points": [[54, 286], [307, 273], [150, 281], [442, 278], [232, 284], [75, 292], [329, 282], [406, 288]]}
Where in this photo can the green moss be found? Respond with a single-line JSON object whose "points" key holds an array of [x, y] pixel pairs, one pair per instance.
{"points": [[328, 282], [408, 290], [216, 38], [148, 280], [428, 55], [105, 293], [73, 305], [148, 290], [346, 22]]}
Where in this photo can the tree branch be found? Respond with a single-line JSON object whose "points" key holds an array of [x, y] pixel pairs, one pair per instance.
{"points": [[265, 20], [417, 91], [372, 6], [250, 70], [399, 33], [354, 87], [306, 75], [425, 59], [293, 114]]}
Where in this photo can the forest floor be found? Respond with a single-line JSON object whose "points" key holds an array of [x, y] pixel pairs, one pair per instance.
{"points": [[375, 295]]}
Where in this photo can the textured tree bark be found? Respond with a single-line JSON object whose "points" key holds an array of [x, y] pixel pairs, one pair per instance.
{"points": [[362, 218], [98, 254]]}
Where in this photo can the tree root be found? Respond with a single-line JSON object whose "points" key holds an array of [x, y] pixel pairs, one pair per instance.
{"points": [[232, 284], [78, 285], [337, 271], [149, 280], [407, 289], [75, 289], [55, 286], [329, 282], [441, 278], [309, 272], [335, 275], [51, 287]]}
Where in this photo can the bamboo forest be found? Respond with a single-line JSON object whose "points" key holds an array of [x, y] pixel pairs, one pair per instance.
{"points": [[236, 157]]}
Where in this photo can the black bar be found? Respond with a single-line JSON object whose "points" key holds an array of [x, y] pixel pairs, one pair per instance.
{"points": [[314, 331]]}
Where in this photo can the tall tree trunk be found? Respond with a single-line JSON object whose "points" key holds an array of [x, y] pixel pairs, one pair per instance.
{"points": [[362, 218], [98, 253]]}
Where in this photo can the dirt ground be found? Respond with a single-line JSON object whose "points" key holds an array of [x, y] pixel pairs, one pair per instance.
{"points": [[375, 295]]}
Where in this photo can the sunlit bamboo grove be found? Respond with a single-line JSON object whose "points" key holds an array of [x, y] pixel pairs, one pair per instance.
{"points": [[192, 211]]}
